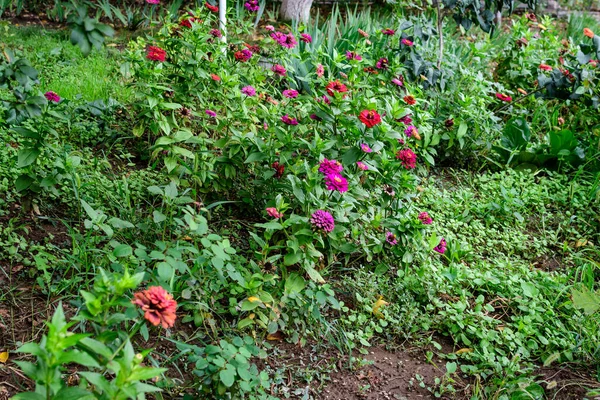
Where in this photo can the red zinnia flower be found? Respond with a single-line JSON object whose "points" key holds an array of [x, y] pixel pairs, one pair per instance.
{"points": [[336, 87], [211, 7], [215, 77], [243, 55], [279, 169], [155, 53], [370, 118], [503, 97], [545, 67], [410, 100], [588, 32], [158, 306]]}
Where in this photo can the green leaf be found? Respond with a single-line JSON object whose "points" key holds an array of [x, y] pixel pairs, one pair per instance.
{"points": [[28, 396], [145, 373], [228, 375], [23, 182], [451, 367], [294, 284], [27, 157], [122, 250], [586, 300]]}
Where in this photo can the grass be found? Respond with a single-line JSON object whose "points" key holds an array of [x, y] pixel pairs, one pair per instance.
{"points": [[63, 69]]}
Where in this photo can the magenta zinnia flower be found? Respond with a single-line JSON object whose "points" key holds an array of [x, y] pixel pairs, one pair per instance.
{"points": [[407, 42], [389, 32], [51, 96], [351, 55], [279, 69], [286, 119], [153, 1], [158, 306], [288, 41], [252, 5], [391, 239], [323, 220], [425, 218], [272, 211], [210, 113], [328, 167], [365, 147], [408, 158], [383, 63], [411, 130], [397, 82], [336, 182], [249, 91], [441, 248], [362, 165], [290, 93], [306, 38]]}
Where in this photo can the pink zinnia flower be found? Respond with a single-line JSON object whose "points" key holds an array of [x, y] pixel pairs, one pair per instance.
{"points": [[270, 28], [249, 91], [503, 97], [351, 55], [336, 182], [286, 119], [365, 147], [329, 167], [51, 96], [441, 248], [362, 165], [397, 82], [215, 77], [322, 220], [272, 211], [290, 93], [391, 239], [408, 158], [279, 69], [306, 38], [320, 70], [407, 42], [545, 67], [210, 113], [158, 306], [425, 218], [411, 130]]}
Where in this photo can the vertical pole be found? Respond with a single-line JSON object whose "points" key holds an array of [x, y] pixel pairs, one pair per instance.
{"points": [[223, 19]]}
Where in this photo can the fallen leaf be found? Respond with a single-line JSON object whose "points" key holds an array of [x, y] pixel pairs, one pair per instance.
{"points": [[4, 357], [275, 336], [378, 304], [464, 350]]}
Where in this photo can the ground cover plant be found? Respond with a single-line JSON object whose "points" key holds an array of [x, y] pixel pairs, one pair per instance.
{"points": [[183, 216]]}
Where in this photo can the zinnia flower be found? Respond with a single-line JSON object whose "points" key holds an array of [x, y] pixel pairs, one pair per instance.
{"points": [[210, 113], [503, 97], [216, 33], [322, 220], [336, 87], [370, 118], [328, 167], [215, 77], [588, 32], [153, 1], [187, 22], [51, 96], [407, 42], [249, 91], [408, 158], [279, 169], [290, 93], [388, 31], [306, 38], [425, 218], [155, 53], [320, 70], [279, 69], [243, 55], [324, 99], [365, 147], [362, 165], [272, 211], [336, 182], [397, 82], [411, 130], [158, 306], [252, 5], [449, 123], [410, 100], [406, 120], [211, 7], [363, 33], [391, 239], [382, 63], [545, 67], [351, 55], [270, 28], [441, 248], [370, 70], [288, 41], [286, 119]]}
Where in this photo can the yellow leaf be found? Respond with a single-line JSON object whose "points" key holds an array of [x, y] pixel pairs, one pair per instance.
{"points": [[253, 299], [4, 357], [581, 243], [464, 350], [542, 27], [378, 304]]}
